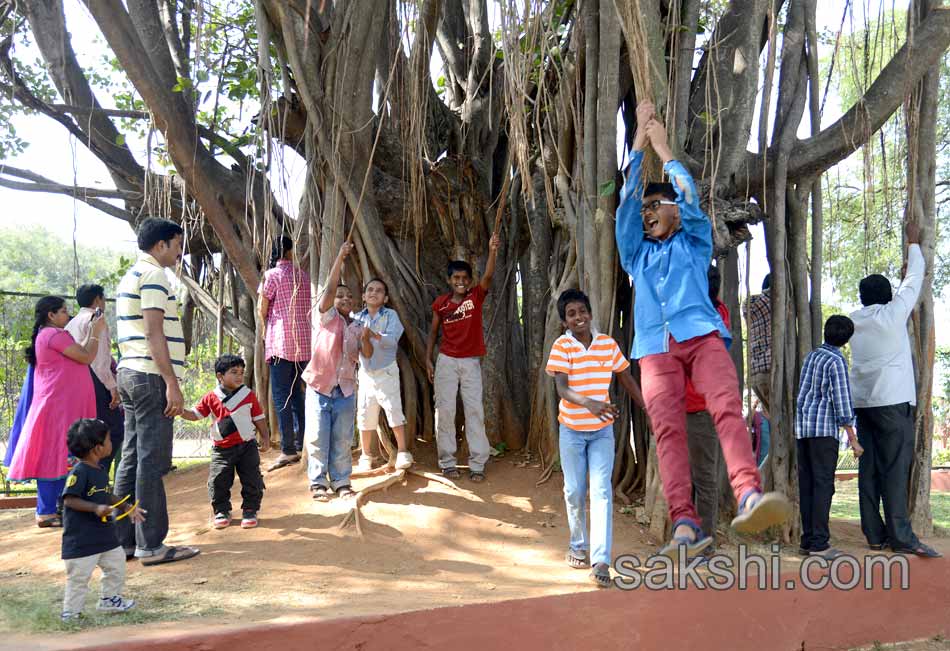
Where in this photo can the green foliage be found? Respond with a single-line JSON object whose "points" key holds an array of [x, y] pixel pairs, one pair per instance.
{"points": [[221, 78], [607, 188], [36, 261], [864, 197], [33, 73], [33, 260]]}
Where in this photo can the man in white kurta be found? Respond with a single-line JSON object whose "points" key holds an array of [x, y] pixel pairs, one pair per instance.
{"points": [[885, 395]]}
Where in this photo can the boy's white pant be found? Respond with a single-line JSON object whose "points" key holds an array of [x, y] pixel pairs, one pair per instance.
{"points": [[79, 571], [454, 375], [379, 390]]}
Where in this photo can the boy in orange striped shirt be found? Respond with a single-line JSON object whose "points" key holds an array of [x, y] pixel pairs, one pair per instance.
{"points": [[583, 362]]}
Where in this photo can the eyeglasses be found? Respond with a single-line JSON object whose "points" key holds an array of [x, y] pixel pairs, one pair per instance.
{"points": [[653, 205]]}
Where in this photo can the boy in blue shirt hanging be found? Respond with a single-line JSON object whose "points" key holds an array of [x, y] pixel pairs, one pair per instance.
{"points": [[665, 244]]}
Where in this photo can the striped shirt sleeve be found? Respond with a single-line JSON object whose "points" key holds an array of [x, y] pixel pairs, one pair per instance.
{"points": [[154, 290], [620, 363], [559, 361]]}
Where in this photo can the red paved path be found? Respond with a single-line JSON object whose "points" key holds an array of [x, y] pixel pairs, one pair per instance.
{"points": [[611, 619]]}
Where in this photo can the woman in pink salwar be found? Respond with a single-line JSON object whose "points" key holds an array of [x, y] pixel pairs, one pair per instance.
{"points": [[62, 393]]}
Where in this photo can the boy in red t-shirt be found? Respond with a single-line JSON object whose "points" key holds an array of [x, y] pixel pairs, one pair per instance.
{"points": [[458, 369], [238, 416]]}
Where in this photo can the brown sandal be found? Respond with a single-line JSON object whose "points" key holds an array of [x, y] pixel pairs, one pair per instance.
{"points": [[46, 523]]}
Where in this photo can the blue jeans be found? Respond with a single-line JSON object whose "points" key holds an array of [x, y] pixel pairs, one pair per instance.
{"points": [[146, 458], [48, 492], [590, 454], [286, 388], [330, 428]]}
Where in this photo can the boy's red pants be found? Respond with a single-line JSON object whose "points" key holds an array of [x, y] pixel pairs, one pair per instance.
{"points": [[663, 377]]}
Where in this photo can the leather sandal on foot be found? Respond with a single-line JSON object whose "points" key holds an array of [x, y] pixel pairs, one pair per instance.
{"points": [[451, 473], [600, 575], [320, 493], [922, 550], [477, 477], [172, 555], [577, 560], [46, 523], [283, 461], [687, 546], [345, 491]]}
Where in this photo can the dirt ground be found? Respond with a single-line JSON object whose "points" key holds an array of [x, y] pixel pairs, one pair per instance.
{"points": [[425, 545]]}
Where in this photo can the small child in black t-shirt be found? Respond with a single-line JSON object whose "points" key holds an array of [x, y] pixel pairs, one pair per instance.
{"points": [[89, 537]]}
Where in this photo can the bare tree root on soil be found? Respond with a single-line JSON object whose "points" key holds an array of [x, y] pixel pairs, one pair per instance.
{"points": [[354, 513]]}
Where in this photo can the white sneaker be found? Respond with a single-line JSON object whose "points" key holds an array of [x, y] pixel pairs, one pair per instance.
{"points": [[115, 604], [365, 464], [403, 460]]}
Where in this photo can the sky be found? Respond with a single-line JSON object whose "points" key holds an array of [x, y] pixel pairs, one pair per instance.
{"points": [[55, 154]]}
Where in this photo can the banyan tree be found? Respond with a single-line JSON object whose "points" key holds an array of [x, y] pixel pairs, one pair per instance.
{"points": [[426, 125]]}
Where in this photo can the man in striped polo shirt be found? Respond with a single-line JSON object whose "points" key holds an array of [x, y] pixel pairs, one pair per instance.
{"points": [[152, 349], [583, 362]]}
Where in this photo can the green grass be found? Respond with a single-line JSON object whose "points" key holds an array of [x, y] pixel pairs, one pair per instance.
{"points": [[28, 608], [845, 504]]}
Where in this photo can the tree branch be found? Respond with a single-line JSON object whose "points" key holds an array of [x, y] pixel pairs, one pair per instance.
{"points": [[97, 132], [206, 302], [175, 47], [833, 144], [112, 113], [218, 190], [90, 196]]}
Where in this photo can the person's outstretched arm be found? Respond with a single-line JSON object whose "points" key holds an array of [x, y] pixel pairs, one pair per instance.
{"points": [[329, 292], [493, 245], [905, 299], [629, 226], [695, 223]]}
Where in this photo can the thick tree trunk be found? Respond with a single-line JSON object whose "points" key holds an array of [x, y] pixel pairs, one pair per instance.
{"points": [[921, 208]]}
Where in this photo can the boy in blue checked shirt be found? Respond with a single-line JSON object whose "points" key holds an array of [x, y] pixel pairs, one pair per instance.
{"points": [[824, 406], [665, 244]]}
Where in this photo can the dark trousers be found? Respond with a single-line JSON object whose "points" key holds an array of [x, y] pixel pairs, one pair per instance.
{"points": [[146, 457], [817, 460], [287, 390], [887, 435], [113, 418], [246, 459], [703, 445]]}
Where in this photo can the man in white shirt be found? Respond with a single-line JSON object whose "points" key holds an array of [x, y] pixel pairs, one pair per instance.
{"points": [[884, 389], [90, 299]]}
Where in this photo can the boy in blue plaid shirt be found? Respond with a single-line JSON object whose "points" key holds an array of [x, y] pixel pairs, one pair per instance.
{"points": [[824, 406]]}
